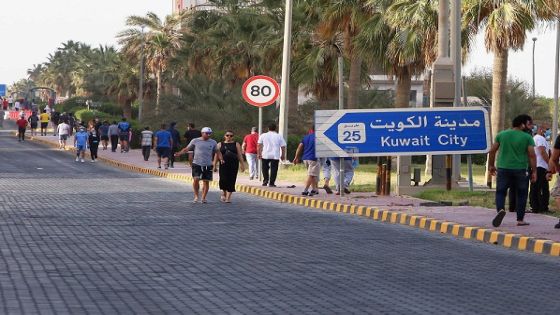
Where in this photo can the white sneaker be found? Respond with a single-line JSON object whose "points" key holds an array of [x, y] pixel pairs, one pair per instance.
{"points": [[92, 161], [77, 159], [82, 160]]}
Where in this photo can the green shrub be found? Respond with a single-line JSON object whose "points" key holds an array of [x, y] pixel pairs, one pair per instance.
{"points": [[88, 115], [72, 104], [110, 108]]}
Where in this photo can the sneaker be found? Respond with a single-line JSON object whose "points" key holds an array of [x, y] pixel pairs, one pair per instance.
{"points": [[265, 184], [272, 185], [313, 193], [251, 178], [305, 193], [557, 226], [346, 191], [522, 223], [82, 160], [77, 159], [92, 161], [328, 189], [499, 218]]}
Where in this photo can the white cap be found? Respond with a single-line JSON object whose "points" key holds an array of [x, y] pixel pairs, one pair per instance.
{"points": [[206, 130]]}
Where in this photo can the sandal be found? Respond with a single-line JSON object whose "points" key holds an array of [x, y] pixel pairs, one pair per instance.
{"points": [[522, 223]]}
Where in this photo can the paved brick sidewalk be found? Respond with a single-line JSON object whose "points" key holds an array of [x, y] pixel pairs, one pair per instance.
{"points": [[542, 226]]}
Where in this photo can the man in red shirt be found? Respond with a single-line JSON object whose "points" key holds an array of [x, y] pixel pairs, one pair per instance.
{"points": [[22, 125], [5, 104], [249, 148]]}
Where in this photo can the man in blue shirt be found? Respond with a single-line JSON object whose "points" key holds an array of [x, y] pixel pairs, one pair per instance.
{"points": [[306, 150], [124, 134], [80, 142], [164, 143]]}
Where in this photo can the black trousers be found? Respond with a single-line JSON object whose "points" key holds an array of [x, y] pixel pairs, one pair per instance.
{"points": [[21, 134], [540, 193], [146, 149], [270, 171], [114, 142], [172, 155], [93, 150]]}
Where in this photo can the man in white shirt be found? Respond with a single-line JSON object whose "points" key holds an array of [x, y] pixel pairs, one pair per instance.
{"points": [[271, 149], [63, 130], [540, 194]]}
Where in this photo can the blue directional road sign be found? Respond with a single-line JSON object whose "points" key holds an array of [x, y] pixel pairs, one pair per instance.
{"points": [[2, 89], [407, 131]]}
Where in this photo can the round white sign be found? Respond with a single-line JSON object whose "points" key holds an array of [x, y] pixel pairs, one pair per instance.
{"points": [[261, 91]]}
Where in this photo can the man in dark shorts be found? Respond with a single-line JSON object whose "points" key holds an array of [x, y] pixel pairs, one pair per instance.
{"points": [[164, 143], [45, 117], [204, 149], [176, 136], [33, 123], [55, 119], [516, 153], [124, 129]]}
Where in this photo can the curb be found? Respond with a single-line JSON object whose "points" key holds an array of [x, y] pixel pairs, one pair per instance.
{"points": [[490, 236]]}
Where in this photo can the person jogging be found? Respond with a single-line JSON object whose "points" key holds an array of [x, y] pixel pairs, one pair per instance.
{"points": [[44, 122], [22, 126], [33, 123], [81, 143], [516, 152], [204, 149]]}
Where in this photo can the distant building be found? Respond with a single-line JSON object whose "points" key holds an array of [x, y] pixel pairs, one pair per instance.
{"points": [[418, 92], [181, 5]]}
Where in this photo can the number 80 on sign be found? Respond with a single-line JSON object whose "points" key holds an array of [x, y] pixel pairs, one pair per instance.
{"points": [[261, 91]]}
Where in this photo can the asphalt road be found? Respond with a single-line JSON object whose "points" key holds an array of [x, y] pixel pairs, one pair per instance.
{"points": [[87, 238]]}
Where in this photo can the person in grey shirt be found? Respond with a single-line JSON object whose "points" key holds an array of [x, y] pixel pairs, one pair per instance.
{"points": [[204, 149], [114, 136]]}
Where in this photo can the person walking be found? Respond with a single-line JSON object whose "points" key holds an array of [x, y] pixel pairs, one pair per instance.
{"points": [[63, 130], [306, 150], [271, 149], [33, 123], [114, 135], [348, 167], [164, 143], [124, 129], [554, 168], [104, 134], [203, 149], [2, 113], [93, 141], [72, 123], [44, 122], [539, 193], [249, 148], [326, 166], [147, 142], [230, 151], [22, 126], [176, 136], [55, 119], [81, 144], [190, 134], [516, 152]]}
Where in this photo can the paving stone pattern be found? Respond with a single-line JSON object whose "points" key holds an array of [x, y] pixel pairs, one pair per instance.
{"points": [[88, 239]]}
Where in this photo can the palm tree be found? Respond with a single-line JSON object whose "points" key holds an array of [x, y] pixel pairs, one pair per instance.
{"points": [[347, 18], [505, 24], [160, 43]]}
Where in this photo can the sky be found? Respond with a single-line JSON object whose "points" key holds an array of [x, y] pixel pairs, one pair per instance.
{"points": [[31, 29]]}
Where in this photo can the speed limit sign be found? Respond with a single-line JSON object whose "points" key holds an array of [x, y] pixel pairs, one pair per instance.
{"points": [[261, 91]]}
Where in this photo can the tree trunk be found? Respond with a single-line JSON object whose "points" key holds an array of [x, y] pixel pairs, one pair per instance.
{"points": [[499, 83], [126, 106], [158, 91], [293, 99], [402, 94], [354, 81]]}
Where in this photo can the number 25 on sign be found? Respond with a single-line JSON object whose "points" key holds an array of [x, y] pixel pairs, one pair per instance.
{"points": [[261, 91]]}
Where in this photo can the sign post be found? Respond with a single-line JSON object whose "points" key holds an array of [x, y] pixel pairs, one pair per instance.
{"points": [[260, 91], [402, 132]]}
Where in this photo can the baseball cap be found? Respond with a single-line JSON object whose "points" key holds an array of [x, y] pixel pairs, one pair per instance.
{"points": [[206, 130]]}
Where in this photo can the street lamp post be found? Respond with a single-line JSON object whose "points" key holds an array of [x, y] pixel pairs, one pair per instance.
{"points": [[340, 107], [285, 88], [556, 79], [534, 42], [141, 83]]}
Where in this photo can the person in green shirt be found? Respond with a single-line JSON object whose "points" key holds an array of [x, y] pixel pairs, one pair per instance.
{"points": [[516, 154]]}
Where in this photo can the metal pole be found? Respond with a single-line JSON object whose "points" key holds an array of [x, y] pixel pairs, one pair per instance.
{"points": [[341, 107], [141, 83], [259, 162], [285, 89], [534, 42], [556, 82], [469, 157], [443, 30], [456, 56]]}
